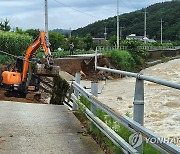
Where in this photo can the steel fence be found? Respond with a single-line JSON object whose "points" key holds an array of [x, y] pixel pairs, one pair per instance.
{"points": [[134, 125], [149, 48]]}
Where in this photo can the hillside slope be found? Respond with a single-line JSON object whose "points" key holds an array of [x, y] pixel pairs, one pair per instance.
{"points": [[134, 23]]}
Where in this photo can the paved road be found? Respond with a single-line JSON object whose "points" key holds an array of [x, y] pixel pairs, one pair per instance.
{"points": [[42, 129]]}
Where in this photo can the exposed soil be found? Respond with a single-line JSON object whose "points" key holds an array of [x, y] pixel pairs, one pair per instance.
{"points": [[91, 74], [70, 65], [29, 98], [86, 68]]}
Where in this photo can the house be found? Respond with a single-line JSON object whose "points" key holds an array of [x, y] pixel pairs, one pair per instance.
{"points": [[140, 38], [98, 39]]}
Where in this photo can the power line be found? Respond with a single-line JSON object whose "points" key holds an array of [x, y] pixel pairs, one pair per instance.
{"points": [[14, 56], [132, 4], [8, 54], [76, 9]]}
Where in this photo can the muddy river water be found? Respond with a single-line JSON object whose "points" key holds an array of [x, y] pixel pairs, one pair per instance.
{"points": [[162, 104]]}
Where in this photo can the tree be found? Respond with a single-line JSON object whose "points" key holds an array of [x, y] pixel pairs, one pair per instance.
{"points": [[137, 53], [4, 26], [81, 45], [56, 40], [112, 40], [89, 41], [33, 32], [19, 30]]}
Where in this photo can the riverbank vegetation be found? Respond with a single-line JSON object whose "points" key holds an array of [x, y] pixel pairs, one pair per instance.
{"points": [[108, 146], [131, 59]]}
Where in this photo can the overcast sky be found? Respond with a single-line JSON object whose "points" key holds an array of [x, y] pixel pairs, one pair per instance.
{"points": [[65, 14]]}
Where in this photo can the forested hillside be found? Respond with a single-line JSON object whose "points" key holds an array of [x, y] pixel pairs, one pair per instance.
{"points": [[133, 23]]}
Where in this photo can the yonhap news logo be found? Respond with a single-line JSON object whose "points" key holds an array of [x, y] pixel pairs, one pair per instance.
{"points": [[136, 139]]}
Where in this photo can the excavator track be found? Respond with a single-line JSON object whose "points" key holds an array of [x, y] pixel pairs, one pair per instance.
{"points": [[16, 94]]}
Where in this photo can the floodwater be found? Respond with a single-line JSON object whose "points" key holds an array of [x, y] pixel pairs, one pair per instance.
{"points": [[162, 104]]}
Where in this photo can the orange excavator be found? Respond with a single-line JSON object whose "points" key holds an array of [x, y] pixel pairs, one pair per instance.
{"points": [[19, 80]]}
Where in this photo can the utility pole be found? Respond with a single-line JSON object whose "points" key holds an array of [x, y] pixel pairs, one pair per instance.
{"points": [[145, 38], [161, 30], [105, 33], [121, 28], [69, 32], [46, 18], [117, 24]]}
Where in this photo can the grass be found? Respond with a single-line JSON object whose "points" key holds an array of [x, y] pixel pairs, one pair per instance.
{"points": [[122, 131], [5, 59], [121, 59], [148, 149], [165, 59]]}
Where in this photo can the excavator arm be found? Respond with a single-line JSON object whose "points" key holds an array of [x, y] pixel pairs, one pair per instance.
{"points": [[42, 41]]}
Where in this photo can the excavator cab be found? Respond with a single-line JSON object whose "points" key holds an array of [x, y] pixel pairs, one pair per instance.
{"points": [[19, 64]]}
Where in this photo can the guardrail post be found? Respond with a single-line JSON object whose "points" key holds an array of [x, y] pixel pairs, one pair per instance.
{"points": [[138, 113], [94, 91], [76, 92], [95, 61]]}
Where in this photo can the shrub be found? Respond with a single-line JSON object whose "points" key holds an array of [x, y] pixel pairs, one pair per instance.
{"points": [[14, 43], [60, 88], [5, 59], [121, 59], [138, 54]]}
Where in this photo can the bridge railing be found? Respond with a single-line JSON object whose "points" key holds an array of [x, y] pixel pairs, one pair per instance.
{"points": [[149, 48], [135, 124]]}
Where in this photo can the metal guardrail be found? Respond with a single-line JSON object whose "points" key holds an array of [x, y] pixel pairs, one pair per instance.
{"points": [[109, 48], [154, 48], [141, 77], [149, 48], [91, 115], [135, 124]]}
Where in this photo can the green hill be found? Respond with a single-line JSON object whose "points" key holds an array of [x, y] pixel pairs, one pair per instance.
{"points": [[63, 31], [133, 23]]}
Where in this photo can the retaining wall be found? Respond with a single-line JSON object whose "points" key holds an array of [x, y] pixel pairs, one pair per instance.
{"points": [[157, 54]]}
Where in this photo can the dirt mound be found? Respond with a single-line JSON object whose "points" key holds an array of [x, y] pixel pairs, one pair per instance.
{"points": [[86, 67]]}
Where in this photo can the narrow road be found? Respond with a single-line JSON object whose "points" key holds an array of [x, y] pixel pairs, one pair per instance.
{"points": [[42, 129]]}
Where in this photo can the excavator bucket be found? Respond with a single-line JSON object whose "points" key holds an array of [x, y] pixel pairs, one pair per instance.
{"points": [[42, 70]]}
